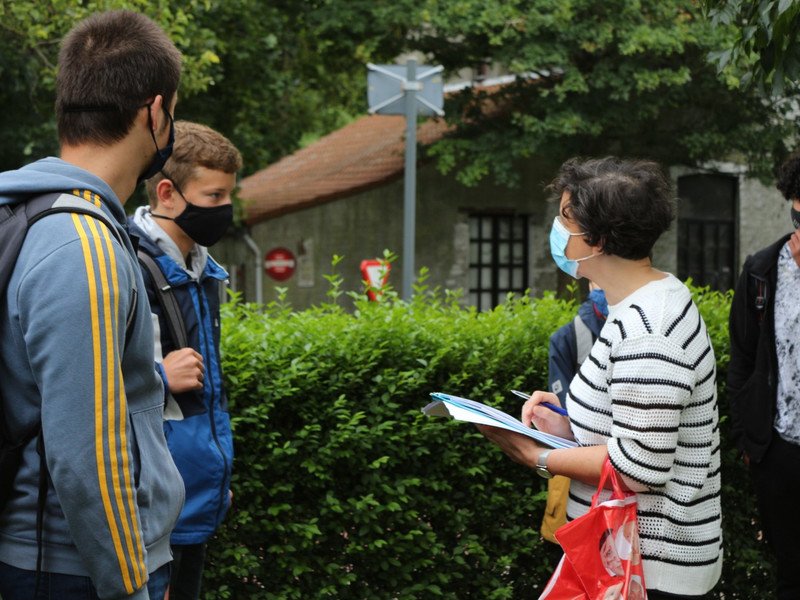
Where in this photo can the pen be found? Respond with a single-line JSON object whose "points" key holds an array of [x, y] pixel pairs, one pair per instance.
{"points": [[552, 407]]}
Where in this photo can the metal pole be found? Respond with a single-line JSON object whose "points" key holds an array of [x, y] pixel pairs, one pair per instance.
{"points": [[410, 183], [259, 267]]}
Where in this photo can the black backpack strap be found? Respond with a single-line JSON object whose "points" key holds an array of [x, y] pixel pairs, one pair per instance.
{"points": [[584, 340], [49, 204], [41, 502], [167, 301]]}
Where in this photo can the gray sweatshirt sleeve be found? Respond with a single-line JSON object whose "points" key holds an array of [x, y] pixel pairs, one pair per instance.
{"points": [[73, 308]]}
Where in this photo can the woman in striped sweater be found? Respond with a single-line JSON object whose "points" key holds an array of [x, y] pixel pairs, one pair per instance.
{"points": [[645, 398]]}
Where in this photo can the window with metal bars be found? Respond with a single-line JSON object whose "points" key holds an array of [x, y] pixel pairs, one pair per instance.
{"points": [[705, 252], [498, 258], [707, 229]]}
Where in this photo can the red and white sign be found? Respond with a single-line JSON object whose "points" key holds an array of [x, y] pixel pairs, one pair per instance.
{"points": [[280, 263], [375, 274]]}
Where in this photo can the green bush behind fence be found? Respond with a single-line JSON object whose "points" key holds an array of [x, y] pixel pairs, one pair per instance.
{"points": [[343, 489]]}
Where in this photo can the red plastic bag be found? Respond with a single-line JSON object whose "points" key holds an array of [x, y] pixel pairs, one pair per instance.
{"points": [[601, 550]]}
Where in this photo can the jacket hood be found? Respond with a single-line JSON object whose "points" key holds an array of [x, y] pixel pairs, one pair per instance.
{"points": [[55, 175], [588, 315]]}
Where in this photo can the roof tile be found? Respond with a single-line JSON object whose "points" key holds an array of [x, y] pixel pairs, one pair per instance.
{"points": [[361, 155]]}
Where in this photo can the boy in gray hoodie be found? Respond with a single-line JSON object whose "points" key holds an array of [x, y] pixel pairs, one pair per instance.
{"points": [[76, 339]]}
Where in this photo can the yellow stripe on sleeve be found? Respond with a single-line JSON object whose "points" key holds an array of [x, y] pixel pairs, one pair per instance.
{"points": [[89, 196], [117, 392], [100, 435]]}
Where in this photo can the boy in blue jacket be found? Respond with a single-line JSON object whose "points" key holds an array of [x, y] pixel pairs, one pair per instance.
{"points": [[570, 344], [76, 339], [190, 209]]}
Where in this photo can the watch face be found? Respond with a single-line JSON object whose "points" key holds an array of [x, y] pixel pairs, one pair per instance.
{"points": [[541, 465]]}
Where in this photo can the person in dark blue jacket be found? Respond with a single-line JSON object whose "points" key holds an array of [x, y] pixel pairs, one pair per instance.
{"points": [[569, 347], [570, 344], [190, 209]]}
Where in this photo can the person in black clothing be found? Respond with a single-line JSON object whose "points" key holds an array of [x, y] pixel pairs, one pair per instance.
{"points": [[764, 383]]}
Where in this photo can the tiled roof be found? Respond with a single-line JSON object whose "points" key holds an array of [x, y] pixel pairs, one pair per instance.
{"points": [[364, 154]]}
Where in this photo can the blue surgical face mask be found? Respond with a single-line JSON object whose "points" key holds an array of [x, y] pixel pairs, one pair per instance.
{"points": [[559, 238]]}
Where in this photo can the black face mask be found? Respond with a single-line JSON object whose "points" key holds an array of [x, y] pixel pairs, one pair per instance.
{"points": [[795, 218], [161, 155], [204, 224]]}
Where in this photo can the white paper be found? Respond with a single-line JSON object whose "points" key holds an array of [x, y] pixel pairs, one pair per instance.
{"points": [[470, 411]]}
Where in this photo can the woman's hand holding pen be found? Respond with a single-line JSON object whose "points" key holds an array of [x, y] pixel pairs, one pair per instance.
{"points": [[544, 418]]}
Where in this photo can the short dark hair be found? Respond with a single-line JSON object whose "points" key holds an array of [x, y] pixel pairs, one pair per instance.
{"points": [[789, 177], [110, 65], [196, 145], [622, 205]]}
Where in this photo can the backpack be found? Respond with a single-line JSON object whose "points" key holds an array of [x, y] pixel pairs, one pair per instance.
{"points": [[166, 298], [15, 220], [584, 340], [555, 511]]}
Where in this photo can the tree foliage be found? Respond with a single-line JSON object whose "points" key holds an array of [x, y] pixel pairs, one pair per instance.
{"points": [[628, 77], [764, 49], [31, 32], [263, 73], [293, 69]]}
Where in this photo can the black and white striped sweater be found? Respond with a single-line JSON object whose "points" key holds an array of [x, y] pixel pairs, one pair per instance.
{"points": [[648, 392]]}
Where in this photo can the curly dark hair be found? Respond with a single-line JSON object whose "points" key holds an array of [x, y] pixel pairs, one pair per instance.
{"points": [[622, 205], [789, 177]]}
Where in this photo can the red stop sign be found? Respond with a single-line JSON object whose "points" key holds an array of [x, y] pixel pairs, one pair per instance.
{"points": [[279, 263]]}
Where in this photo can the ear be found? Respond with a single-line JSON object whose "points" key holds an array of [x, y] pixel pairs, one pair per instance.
{"points": [[165, 192], [157, 113]]}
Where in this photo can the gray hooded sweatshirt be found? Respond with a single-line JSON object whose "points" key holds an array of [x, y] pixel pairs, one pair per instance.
{"points": [[70, 358]]}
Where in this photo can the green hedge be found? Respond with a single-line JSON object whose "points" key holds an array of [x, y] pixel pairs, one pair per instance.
{"points": [[343, 489]]}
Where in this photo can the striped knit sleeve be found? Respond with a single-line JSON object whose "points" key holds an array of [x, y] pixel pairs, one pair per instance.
{"points": [[651, 381], [75, 305]]}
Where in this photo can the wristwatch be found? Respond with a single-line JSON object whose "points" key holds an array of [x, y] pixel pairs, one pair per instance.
{"points": [[541, 465]]}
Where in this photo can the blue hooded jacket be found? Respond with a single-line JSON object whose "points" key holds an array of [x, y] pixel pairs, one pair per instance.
{"points": [[563, 353], [197, 424], [71, 361]]}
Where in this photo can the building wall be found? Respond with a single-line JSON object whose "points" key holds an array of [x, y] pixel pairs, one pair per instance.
{"points": [[364, 225], [763, 217]]}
